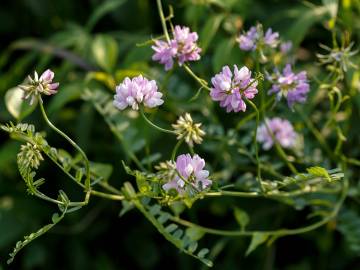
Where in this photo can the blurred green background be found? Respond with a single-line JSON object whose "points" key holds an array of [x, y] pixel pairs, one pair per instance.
{"points": [[94, 43]]}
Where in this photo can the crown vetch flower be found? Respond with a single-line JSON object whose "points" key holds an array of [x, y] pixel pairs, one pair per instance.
{"points": [[294, 87], [33, 87], [271, 38], [280, 129], [338, 57], [247, 41], [164, 53], [188, 50], [182, 47], [192, 170], [285, 47], [254, 39], [135, 91], [186, 128], [230, 89]]}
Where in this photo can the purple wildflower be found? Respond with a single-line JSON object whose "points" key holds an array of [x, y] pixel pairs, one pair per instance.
{"points": [[164, 53], [186, 43], [254, 38], [271, 38], [182, 47], [290, 85], [192, 170], [280, 129], [36, 86], [286, 47], [132, 92], [247, 41], [230, 89]]}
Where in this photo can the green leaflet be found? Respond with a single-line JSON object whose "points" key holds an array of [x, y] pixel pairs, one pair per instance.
{"points": [[256, 240], [349, 226], [105, 51], [56, 218], [16, 106], [171, 231], [241, 217], [319, 171]]}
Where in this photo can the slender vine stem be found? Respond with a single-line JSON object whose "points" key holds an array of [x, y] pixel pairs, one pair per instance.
{"points": [[201, 81], [280, 232], [253, 114], [317, 135], [51, 125], [256, 144], [154, 125], [260, 86], [280, 150], [176, 148], [163, 20]]}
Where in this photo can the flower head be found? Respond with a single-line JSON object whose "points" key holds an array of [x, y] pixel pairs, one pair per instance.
{"points": [[33, 87], [230, 89], [294, 87], [188, 50], [30, 155], [166, 170], [279, 129], [285, 47], [182, 47], [132, 92], [164, 53], [254, 39], [247, 41], [186, 128], [338, 57], [271, 38], [190, 170]]}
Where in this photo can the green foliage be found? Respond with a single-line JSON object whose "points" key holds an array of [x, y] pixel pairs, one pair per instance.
{"points": [[56, 218], [92, 48], [101, 11], [256, 240], [241, 217], [349, 226], [105, 51], [170, 231], [16, 105]]}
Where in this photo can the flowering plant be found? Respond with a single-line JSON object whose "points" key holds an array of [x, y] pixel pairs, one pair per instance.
{"points": [[232, 138]]}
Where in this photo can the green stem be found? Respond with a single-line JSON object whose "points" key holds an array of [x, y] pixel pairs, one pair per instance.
{"points": [[202, 82], [155, 126], [252, 115], [176, 148], [317, 135], [51, 125], [258, 178], [280, 232], [127, 150], [262, 94], [270, 195], [163, 20], [280, 151], [108, 196]]}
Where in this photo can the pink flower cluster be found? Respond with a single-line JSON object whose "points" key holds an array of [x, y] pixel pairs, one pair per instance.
{"points": [[132, 92], [182, 47], [279, 129], [293, 86], [250, 40], [230, 89], [192, 170], [34, 87]]}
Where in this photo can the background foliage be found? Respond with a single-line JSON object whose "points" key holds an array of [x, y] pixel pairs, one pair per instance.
{"points": [[92, 44]]}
